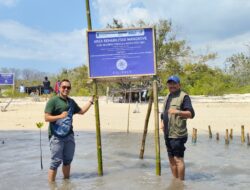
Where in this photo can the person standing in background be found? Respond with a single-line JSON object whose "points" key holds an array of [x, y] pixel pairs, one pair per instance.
{"points": [[22, 88], [56, 88], [46, 86]]}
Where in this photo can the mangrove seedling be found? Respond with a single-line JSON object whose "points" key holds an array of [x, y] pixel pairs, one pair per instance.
{"points": [[40, 125]]}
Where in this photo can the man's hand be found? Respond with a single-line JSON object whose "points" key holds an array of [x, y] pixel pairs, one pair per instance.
{"points": [[91, 100], [63, 114], [173, 111]]}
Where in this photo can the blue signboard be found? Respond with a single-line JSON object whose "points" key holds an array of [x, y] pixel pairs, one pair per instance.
{"points": [[118, 53], [6, 79]]}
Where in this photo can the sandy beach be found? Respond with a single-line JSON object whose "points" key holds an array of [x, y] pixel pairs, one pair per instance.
{"points": [[221, 112]]}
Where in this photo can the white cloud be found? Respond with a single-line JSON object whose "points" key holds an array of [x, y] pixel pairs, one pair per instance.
{"points": [[225, 47], [8, 3], [126, 11], [210, 18], [18, 41], [223, 25]]}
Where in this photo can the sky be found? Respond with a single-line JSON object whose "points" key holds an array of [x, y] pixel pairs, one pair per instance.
{"points": [[49, 35]]}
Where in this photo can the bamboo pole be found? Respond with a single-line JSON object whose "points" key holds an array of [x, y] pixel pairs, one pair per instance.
{"points": [[231, 134], [242, 134], [14, 85], [98, 131], [150, 102], [125, 98], [107, 94], [248, 139], [226, 137], [88, 15], [128, 110], [210, 132], [97, 116], [217, 136], [193, 135], [157, 137]]}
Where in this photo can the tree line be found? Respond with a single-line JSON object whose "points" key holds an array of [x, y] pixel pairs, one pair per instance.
{"points": [[174, 57]]}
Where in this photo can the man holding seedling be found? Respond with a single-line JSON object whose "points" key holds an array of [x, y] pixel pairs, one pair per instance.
{"points": [[177, 108], [59, 112]]}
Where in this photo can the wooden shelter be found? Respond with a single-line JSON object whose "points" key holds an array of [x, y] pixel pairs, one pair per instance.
{"points": [[134, 94]]}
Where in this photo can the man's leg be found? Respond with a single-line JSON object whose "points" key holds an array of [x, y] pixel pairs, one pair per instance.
{"points": [[171, 159], [180, 167], [173, 166], [56, 148], [66, 171], [68, 154], [52, 175]]}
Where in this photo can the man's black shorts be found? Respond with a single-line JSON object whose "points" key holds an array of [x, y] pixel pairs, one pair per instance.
{"points": [[176, 146]]}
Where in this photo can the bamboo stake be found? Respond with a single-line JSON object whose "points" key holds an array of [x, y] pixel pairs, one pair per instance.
{"points": [[98, 130], [157, 137], [88, 15], [193, 135], [156, 114], [128, 110], [217, 136], [231, 134], [150, 102], [242, 134], [210, 132], [226, 137], [13, 89], [107, 94], [97, 116], [248, 139]]}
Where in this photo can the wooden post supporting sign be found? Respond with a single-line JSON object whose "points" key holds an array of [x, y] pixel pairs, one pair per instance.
{"points": [[97, 116], [150, 102]]}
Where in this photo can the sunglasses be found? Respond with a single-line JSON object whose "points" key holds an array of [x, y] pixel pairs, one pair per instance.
{"points": [[68, 87]]}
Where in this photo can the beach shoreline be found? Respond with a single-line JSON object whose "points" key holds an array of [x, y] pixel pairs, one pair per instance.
{"points": [[220, 112]]}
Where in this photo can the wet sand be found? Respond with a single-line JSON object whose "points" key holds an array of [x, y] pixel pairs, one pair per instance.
{"points": [[209, 164]]}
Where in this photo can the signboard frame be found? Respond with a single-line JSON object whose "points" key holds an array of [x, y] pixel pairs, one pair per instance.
{"points": [[112, 77], [13, 79], [13, 82]]}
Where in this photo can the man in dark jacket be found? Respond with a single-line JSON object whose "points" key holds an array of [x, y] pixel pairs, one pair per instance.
{"points": [[177, 108]]}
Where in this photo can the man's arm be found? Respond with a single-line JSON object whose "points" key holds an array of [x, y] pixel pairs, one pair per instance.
{"points": [[86, 107], [187, 112], [51, 118], [49, 110]]}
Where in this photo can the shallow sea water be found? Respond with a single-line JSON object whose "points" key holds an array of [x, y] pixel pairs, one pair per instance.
{"points": [[209, 164]]}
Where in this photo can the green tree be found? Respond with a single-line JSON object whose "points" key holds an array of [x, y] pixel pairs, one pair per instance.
{"points": [[79, 80], [200, 79], [239, 68]]}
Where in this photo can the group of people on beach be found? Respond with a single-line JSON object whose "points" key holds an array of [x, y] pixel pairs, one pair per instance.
{"points": [[46, 87], [60, 109]]}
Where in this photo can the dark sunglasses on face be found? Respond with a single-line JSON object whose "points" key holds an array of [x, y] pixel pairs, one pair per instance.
{"points": [[68, 87]]}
